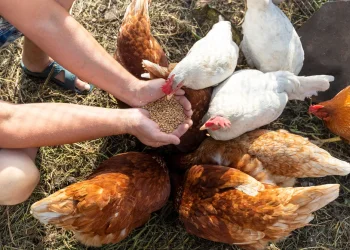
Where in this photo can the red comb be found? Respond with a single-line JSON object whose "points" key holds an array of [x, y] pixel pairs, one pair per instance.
{"points": [[315, 108], [167, 87]]}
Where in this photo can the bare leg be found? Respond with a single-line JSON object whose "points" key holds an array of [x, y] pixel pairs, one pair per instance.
{"points": [[36, 60], [18, 175]]}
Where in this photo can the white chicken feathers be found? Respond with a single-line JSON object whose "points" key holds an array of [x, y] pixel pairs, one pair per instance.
{"points": [[270, 43], [210, 61], [251, 99]]}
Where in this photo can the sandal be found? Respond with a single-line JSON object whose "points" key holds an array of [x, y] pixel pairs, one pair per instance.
{"points": [[69, 78]]}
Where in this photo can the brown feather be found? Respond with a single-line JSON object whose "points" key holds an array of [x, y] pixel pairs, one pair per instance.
{"points": [[119, 196], [272, 157], [135, 41], [338, 109], [226, 205]]}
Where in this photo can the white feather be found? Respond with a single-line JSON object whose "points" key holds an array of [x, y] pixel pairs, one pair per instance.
{"points": [[251, 99], [210, 61], [270, 42]]}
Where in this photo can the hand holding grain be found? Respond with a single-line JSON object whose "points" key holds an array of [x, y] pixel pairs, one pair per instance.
{"points": [[145, 125], [148, 131], [146, 92]]}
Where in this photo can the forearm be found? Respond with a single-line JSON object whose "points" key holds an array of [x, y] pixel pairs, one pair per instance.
{"points": [[47, 124], [51, 27]]}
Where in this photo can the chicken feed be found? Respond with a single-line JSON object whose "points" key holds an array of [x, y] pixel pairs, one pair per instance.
{"points": [[168, 114]]}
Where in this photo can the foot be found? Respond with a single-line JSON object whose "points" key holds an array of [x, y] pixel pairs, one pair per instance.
{"points": [[39, 67]]}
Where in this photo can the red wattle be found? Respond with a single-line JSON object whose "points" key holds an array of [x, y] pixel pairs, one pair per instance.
{"points": [[167, 87]]}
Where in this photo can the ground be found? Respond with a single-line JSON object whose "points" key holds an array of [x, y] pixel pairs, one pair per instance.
{"points": [[174, 26]]}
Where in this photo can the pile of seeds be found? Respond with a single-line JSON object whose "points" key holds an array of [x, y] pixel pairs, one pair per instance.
{"points": [[168, 114]]}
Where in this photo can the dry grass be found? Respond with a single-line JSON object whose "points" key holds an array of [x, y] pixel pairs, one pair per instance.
{"points": [[174, 27]]}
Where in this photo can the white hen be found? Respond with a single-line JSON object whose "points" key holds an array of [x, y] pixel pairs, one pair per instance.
{"points": [[210, 61], [250, 99], [270, 43]]}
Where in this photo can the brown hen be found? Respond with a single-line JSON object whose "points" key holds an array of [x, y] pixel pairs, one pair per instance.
{"points": [[199, 100], [336, 114], [272, 157], [226, 205], [118, 197], [135, 41]]}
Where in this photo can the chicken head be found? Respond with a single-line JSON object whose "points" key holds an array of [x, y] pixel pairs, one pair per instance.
{"points": [[216, 123]]}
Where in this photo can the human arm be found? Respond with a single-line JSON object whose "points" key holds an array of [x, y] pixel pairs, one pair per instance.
{"points": [[48, 124], [51, 27]]}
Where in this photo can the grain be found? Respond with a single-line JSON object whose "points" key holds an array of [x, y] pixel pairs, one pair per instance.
{"points": [[168, 114]]}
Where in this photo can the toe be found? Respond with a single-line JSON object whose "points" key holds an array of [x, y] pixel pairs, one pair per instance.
{"points": [[81, 85]]}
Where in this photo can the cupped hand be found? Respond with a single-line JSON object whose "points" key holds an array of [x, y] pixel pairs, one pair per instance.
{"points": [[148, 131], [150, 91]]}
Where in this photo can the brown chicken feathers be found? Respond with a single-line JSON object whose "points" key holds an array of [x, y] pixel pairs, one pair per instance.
{"points": [[226, 205], [118, 197], [238, 191], [135, 41], [336, 113], [272, 157]]}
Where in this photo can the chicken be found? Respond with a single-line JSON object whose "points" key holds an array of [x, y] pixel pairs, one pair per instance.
{"points": [[210, 61], [336, 114], [250, 99], [118, 197], [199, 100], [226, 205], [270, 43], [271, 157], [135, 41]]}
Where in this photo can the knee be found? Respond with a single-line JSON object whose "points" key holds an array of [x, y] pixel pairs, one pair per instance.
{"points": [[18, 177]]}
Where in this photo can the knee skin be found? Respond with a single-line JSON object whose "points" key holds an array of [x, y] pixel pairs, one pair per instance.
{"points": [[18, 176]]}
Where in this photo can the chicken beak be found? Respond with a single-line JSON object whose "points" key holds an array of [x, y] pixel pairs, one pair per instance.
{"points": [[203, 127], [168, 97]]}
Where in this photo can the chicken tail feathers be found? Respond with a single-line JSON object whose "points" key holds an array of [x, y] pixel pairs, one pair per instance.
{"points": [[221, 18], [300, 87], [137, 7], [310, 85], [325, 165], [302, 203], [155, 70], [47, 210], [311, 199]]}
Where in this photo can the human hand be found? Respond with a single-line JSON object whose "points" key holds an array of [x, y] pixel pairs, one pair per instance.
{"points": [[147, 91], [150, 91], [148, 132]]}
